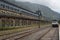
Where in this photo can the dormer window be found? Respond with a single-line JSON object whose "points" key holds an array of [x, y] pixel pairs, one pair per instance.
{"points": [[18, 10], [7, 7], [3, 5]]}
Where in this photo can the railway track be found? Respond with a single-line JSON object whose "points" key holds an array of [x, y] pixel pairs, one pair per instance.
{"points": [[56, 35], [51, 35], [30, 37], [7, 36], [19, 35]]}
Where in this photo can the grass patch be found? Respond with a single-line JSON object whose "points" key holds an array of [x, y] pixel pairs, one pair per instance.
{"points": [[15, 30], [8, 30]]}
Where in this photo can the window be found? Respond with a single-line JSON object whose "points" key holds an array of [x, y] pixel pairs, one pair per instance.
{"points": [[10, 8], [7, 7], [17, 10], [14, 9], [3, 5]]}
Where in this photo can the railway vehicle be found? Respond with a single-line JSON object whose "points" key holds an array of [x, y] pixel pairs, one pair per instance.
{"points": [[55, 23]]}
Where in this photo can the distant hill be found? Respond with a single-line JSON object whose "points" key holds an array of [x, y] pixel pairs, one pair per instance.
{"points": [[46, 11]]}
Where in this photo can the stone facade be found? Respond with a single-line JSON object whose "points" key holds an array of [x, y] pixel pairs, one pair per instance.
{"points": [[13, 16], [16, 17]]}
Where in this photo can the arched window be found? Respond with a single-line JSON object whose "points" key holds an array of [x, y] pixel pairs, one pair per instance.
{"points": [[3, 23]]}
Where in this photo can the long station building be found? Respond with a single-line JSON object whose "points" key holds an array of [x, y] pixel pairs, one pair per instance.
{"points": [[12, 15]]}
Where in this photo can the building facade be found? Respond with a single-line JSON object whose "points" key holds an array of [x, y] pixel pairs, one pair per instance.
{"points": [[12, 15]]}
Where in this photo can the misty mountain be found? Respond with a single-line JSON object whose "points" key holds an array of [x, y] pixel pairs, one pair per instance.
{"points": [[46, 11]]}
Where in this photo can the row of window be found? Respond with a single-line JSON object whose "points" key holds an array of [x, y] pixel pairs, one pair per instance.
{"points": [[8, 7], [8, 12], [13, 8], [8, 22]]}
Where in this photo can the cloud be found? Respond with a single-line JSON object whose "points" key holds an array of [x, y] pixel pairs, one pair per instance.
{"points": [[53, 4], [22, 0], [36, 1]]}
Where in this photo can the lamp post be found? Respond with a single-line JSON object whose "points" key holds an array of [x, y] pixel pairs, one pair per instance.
{"points": [[39, 16], [39, 13]]}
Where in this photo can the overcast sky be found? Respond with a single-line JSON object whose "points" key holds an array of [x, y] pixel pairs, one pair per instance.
{"points": [[53, 4]]}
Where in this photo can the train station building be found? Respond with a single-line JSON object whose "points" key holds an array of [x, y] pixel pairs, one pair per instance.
{"points": [[13, 15]]}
